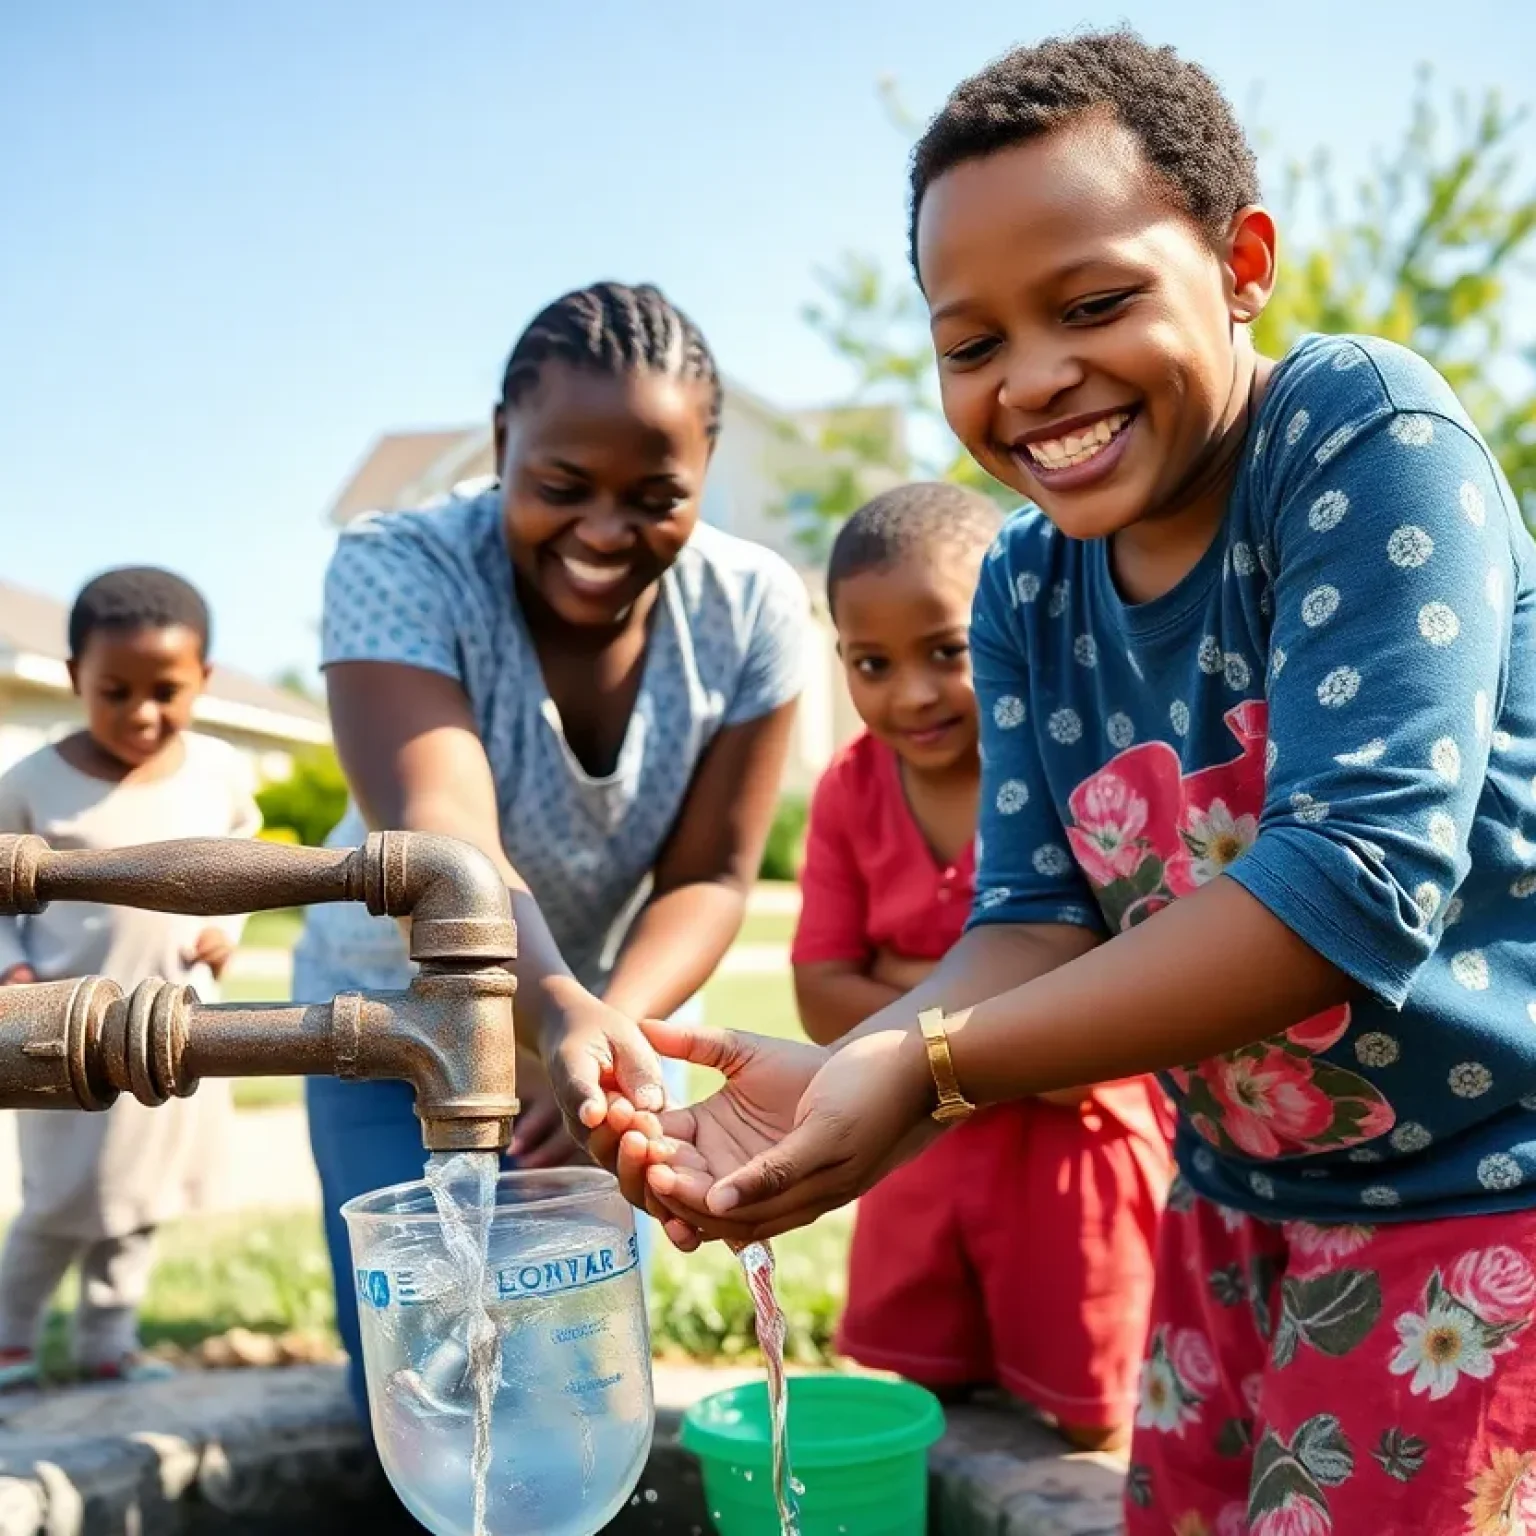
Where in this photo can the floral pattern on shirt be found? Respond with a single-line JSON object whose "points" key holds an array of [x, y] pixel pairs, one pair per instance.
{"points": [[1144, 834]]}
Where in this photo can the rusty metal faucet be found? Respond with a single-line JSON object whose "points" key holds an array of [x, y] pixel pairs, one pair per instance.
{"points": [[78, 1044]]}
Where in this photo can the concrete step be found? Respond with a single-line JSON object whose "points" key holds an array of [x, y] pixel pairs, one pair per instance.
{"points": [[278, 1453]]}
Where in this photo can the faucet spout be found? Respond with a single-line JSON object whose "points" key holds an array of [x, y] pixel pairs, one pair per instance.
{"points": [[80, 1044]]}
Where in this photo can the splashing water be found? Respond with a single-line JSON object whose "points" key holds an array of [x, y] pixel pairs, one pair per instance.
{"points": [[463, 1186], [772, 1326]]}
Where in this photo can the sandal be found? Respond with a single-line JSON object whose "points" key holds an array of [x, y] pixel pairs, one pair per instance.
{"points": [[18, 1368]]}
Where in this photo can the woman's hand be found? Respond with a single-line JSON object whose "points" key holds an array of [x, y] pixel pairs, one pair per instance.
{"points": [[593, 1052], [21, 975]]}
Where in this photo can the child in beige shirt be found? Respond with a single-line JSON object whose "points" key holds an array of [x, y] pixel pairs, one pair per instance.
{"points": [[94, 1187]]}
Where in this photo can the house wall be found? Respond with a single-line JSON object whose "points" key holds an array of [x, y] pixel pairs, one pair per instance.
{"points": [[746, 489], [745, 484], [31, 718]]}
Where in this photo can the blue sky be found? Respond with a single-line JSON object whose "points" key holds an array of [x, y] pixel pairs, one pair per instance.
{"points": [[240, 241]]}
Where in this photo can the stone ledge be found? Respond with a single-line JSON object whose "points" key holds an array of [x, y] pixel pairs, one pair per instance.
{"points": [[277, 1453], [999, 1472]]}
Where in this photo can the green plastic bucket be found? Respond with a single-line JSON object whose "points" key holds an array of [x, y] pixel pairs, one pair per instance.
{"points": [[858, 1444]]}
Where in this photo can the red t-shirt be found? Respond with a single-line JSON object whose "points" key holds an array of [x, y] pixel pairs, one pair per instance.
{"points": [[870, 880]]}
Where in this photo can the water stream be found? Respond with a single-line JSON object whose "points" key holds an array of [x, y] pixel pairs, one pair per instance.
{"points": [[463, 1186], [772, 1327]]}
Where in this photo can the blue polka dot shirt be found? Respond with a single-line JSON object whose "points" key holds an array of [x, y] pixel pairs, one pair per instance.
{"points": [[1336, 708]]}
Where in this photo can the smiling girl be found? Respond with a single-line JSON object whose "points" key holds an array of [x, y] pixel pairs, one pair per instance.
{"points": [[1257, 676]]}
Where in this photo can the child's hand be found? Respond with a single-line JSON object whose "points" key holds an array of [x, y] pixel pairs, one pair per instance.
{"points": [[793, 1133], [18, 976], [213, 949], [900, 971]]}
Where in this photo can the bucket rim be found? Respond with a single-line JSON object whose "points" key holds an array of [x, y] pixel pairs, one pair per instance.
{"points": [[712, 1442]]}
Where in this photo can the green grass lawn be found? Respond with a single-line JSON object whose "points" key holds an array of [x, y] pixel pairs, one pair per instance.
{"points": [[258, 1093], [767, 928], [268, 1272], [273, 930], [700, 1306], [254, 989]]}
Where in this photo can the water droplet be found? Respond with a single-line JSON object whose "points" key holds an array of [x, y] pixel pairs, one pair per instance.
{"points": [[651, 1495], [796, 1487], [747, 1474]]}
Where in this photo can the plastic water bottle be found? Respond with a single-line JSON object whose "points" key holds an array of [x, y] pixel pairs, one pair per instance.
{"points": [[570, 1406]]}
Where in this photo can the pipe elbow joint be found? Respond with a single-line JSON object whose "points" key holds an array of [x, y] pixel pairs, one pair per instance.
{"points": [[454, 895]]}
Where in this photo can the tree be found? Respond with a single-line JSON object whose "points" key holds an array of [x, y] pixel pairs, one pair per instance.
{"points": [[1429, 255], [1427, 250], [294, 680], [879, 328]]}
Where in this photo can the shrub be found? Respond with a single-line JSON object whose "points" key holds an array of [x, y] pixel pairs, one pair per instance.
{"points": [[308, 803], [786, 840], [700, 1306]]}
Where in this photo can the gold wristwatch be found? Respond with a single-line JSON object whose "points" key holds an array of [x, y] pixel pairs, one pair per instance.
{"points": [[953, 1106]]}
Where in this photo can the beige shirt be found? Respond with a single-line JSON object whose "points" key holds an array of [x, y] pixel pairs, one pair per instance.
{"points": [[102, 1175]]}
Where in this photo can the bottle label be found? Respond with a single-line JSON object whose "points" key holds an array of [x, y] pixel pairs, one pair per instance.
{"points": [[401, 1287]]}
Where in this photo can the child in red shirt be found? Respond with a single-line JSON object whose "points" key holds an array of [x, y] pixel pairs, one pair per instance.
{"points": [[1018, 1249]]}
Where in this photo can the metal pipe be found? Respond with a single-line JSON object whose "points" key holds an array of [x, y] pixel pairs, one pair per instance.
{"points": [[452, 893], [79, 1044], [264, 1040]]}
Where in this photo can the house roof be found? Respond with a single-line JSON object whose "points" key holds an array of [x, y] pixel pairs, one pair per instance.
{"points": [[397, 463], [403, 469], [34, 646]]}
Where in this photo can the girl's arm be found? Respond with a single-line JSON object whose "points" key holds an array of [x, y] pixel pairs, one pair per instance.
{"points": [[1206, 975], [706, 870], [832, 955], [1161, 995], [992, 961], [836, 996], [1396, 551]]}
